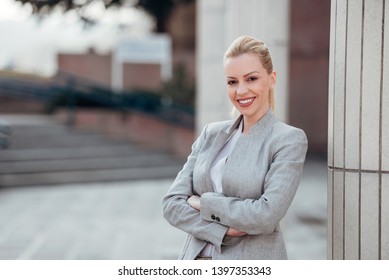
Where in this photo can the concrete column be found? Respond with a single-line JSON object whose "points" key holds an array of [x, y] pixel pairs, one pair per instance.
{"points": [[358, 134], [219, 23], [211, 98]]}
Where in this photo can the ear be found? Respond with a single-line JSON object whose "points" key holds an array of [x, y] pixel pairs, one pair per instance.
{"points": [[273, 78]]}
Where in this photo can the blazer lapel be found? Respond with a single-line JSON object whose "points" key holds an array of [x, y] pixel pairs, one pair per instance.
{"points": [[218, 144]]}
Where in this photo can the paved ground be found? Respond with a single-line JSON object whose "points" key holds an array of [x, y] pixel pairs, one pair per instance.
{"points": [[305, 224], [123, 220]]}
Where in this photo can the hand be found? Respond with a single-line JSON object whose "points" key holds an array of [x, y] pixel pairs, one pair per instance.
{"points": [[194, 201], [234, 232]]}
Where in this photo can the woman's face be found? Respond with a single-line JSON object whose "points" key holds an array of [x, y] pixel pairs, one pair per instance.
{"points": [[248, 85]]}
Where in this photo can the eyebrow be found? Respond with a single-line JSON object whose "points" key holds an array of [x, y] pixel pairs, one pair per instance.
{"points": [[244, 75]]}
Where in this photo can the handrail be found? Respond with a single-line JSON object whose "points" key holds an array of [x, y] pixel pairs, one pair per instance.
{"points": [[73, 92]]}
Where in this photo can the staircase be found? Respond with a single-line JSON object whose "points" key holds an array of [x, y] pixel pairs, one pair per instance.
{"points": [[43, 152]]}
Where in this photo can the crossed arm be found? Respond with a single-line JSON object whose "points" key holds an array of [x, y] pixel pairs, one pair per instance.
{"points": [[194, 201], [179, 213], [238, 217]]}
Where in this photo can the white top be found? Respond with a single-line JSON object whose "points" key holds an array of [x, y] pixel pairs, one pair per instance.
{"points": [[217, 169]]}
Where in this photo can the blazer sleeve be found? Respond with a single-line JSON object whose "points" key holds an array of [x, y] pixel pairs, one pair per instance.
{"points": [[261, 216], [180, 214]]}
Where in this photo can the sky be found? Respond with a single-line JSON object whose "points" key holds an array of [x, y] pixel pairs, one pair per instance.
{"points": [[29, 45]]}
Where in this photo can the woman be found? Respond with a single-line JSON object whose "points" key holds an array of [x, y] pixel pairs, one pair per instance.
{"points": [[241, 176]]}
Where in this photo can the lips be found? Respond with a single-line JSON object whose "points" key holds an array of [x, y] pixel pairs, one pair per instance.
{"points": [[246, 101]]}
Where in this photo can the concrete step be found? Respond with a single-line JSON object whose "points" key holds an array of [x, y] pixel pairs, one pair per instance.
{"points": [[47, 153], [36, 166], [49, 131], [65, 140], [20, 130], [108, 150], [87, 176]]}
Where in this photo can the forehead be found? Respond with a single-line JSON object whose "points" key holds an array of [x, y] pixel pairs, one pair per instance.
{"points": [[243, 64]]}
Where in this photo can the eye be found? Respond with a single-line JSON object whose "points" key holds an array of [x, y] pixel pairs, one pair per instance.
{"points": [[251, 79], [231, 82]]}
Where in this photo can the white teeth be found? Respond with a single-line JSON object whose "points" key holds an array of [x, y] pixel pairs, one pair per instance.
{"points": [[246, 101]]}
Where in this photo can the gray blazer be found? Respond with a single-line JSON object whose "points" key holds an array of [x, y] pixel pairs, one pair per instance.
{"points": [[260, 180]]}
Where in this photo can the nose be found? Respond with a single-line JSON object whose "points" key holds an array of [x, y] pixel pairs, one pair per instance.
{"points": [[242, 89]]}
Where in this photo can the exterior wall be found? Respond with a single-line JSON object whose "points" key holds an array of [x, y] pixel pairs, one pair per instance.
{"points": [[91, 66], [309, 54], [358, 150], [18, 105], [182, 26], [147, 131], [141, 76], [187, 59], [97, 68]]}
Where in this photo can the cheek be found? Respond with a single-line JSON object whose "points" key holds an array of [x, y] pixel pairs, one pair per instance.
{"points": [[270, 83], [263, 87], [231, 93]]}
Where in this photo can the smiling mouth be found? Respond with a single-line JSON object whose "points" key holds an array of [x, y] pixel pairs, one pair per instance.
{"points": [[246, 102]]}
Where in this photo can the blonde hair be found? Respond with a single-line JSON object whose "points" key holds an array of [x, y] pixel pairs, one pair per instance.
{"points": [[248, 44]]}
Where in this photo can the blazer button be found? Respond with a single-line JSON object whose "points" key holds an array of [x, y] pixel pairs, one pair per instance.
{"points": [[213, 217], [217, 219]]}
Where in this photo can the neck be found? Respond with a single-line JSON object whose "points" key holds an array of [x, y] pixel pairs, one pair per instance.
{"points": [[249, 121], [246, 125]]}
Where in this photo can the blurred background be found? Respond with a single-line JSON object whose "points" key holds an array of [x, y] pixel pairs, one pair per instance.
{"points": [[100, 102]]}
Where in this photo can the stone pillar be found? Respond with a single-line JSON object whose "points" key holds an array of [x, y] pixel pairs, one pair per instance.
{"points": [[358, 134], [219, 22]]}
